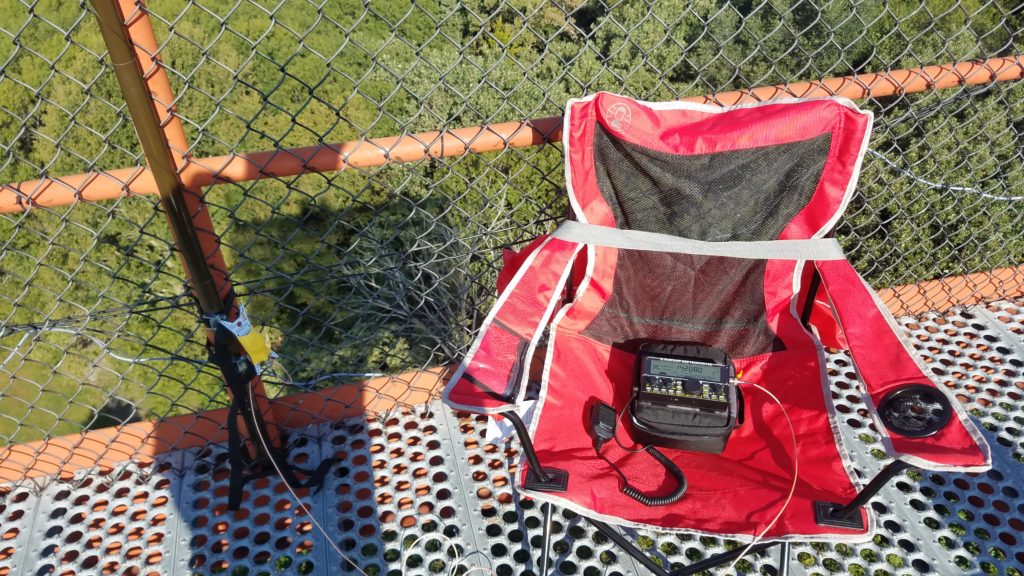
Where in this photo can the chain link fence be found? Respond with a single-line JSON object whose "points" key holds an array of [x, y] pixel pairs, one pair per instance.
{"points": [[373, 271]]}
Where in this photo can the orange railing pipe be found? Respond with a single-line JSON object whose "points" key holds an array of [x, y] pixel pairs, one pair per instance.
{"points": [[143, 441], [132, 47], [200, 172], [139, 30]]}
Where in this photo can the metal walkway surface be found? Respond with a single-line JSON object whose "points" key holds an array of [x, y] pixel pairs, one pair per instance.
{"points": [[411, 484]]}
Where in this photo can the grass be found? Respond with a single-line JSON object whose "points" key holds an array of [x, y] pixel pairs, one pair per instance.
{"points": [[37, 402], [57, 384]]}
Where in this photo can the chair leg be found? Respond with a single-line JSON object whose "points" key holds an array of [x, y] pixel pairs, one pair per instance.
{"points": [[545, 552], [708, 563], [869, 491], [783, 568], [553, 479], [848, 516], [628, 547], [812, 293], [719, 559], [537, 477]]}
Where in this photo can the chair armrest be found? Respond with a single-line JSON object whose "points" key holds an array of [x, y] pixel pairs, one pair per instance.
{"points": [[886, 362], [492, 377]]}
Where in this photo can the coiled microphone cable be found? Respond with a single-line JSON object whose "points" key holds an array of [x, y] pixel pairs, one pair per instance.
{"points": [[603, 421]]}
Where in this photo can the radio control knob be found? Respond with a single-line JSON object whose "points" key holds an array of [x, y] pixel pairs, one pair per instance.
{"points": [[693, 386]]}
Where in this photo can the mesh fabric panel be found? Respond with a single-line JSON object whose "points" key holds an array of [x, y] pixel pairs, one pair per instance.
{"points": [[497, 365], [499, 375], [748, 194], [682, 297]]}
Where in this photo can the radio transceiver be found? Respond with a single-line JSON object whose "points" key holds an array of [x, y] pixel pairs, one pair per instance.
{"points": [[684, 397]]}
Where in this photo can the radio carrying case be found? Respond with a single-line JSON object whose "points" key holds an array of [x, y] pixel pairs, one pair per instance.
{"points": [[685, 397]]}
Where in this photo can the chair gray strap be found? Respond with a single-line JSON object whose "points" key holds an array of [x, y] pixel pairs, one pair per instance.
{"points": [[818, 249]]}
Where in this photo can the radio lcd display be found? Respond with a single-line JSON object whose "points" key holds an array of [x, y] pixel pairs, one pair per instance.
{"points": [[684, 369]]}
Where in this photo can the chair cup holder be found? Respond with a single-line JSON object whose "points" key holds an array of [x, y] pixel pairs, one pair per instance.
{"points": [[915, 410]]}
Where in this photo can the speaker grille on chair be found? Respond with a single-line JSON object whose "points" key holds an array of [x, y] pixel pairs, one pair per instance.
{"points": [[916, 410]]}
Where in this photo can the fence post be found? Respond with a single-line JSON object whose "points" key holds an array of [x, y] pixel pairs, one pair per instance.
{"points": [[128, 34]]}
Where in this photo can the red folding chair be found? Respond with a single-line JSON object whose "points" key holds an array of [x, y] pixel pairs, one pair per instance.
{"points": [[705, 225]]}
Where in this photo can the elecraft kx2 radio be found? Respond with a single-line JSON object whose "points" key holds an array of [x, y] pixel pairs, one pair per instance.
{"points": [[685, 397]]}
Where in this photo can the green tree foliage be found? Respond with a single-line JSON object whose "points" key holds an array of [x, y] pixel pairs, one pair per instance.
{"points": [[384, 269]]}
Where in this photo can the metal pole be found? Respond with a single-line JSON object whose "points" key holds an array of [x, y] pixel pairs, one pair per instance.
{"points": [[628, 547], [132, 47], [812, 293], [784, 559], [546, 540], [719, 559], [370, 152], [159, 155], [524, 438]]}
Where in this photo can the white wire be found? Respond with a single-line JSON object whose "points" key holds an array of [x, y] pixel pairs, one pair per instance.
{"points": [[288, 381], [103, 346], [298, 501], [455, 561], [482, 569], [106, 348], [15, 350], [438, 534], [322, 377], [456, 564], [792, 488], [938, 185]]}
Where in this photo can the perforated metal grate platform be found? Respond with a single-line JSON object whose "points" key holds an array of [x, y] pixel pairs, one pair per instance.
{"points": [[410, 484]]}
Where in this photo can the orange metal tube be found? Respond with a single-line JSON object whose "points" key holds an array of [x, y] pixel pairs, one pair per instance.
{"points": [[133, 50], [64, 190], [945, 293], [139, 31], [200, 172], [142, 441]]}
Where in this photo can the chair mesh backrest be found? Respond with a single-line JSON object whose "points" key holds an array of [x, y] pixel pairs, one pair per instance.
{"points": [[746, 194]]}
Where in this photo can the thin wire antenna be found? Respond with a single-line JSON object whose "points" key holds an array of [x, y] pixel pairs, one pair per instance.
{"points": [[792, 487], [107, 314], [15, 350], [618, 421], [480, 569], [106, 348], [451, 544], [295, 497], [287, 380], [938, 185], [298, 501]]}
